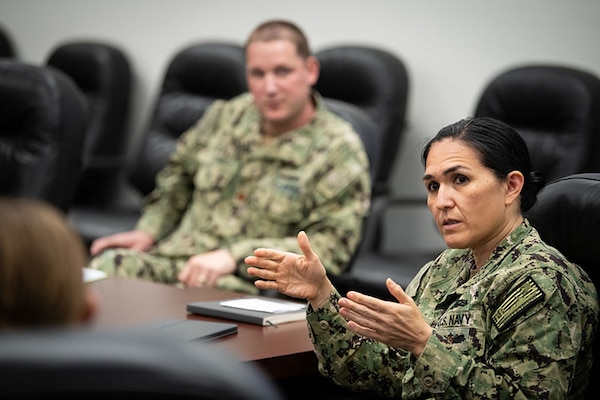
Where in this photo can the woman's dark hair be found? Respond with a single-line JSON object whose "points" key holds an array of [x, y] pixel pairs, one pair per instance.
{"points": [[501, 149]]}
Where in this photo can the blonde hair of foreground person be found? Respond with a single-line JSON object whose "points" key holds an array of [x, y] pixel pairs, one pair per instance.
{"points": [[41, 259]]}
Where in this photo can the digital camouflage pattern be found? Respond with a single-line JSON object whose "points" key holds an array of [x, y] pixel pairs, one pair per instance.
{"points": [[224, 187], [521, 328]]}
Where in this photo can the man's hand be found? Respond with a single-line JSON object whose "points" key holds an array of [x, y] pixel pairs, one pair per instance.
{"points": [[206, 268], [134, 240]]}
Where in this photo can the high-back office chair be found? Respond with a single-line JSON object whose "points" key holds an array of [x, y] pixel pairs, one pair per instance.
{"points": [[567, 216], [557, 111], [376, 81], [102, 72], [7, 48], [89, 364], [195, 77], [42, 126]]}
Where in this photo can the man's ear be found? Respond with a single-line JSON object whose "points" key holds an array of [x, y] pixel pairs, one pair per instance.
{"points": [[313, 67], [514, 185]]}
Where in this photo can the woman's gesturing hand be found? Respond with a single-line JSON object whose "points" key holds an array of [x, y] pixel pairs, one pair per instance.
{"points": [[300, 276], [399, 325]]}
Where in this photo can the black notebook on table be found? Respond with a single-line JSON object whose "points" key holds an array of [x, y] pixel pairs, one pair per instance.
{"points": [[252, 309], [183, 329]]}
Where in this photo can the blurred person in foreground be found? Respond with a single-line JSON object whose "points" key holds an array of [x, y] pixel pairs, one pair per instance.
{"points": [[499, 314], [251, 173], [41, 260]]}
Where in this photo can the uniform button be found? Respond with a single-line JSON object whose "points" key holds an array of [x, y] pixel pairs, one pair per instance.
{"points": [[324, 325], [428, 381]]}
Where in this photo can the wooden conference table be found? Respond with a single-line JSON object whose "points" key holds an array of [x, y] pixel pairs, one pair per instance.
{"points": [[284, 351]]}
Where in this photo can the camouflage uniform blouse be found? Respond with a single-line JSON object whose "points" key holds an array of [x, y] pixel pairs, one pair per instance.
{"points": [[224, 187], [520, 328]]}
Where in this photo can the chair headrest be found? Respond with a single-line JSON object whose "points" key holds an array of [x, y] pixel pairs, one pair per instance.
{"points": [[209, 69], [555, 109]]}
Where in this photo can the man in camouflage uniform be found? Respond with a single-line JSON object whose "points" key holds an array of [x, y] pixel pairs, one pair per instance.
{"points": [[251, 173], [498, 315]]}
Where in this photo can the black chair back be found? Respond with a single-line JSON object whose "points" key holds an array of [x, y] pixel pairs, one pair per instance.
{"points": [[567, 216], [102, 72], [195, 77], [96, 364], [42, 128], [376, 81]]}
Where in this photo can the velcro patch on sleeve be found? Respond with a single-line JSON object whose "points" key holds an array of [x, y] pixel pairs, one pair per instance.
{"points": [[527, 294]]}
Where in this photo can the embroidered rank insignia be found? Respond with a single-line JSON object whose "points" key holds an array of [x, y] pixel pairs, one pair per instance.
{"points": [[518, 300]]}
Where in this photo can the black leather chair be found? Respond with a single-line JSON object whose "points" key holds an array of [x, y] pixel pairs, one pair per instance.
{"points": [[376, 81], [196, 76], [42, 127], [102, 72], [567, 216], [7, 48], [557, 111], [95, 364]]}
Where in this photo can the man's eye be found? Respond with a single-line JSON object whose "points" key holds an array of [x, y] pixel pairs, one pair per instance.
{"points": [[282, 71]]}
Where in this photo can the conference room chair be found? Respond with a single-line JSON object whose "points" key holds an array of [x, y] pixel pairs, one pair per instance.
{"points": [[102, 72], [567, 216], [195, 76], [7, 48], [84, 364], [376, 81], [42, 127], [555, 108]]}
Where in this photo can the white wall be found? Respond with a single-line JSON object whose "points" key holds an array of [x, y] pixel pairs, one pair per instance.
{"points": [[451, 48]]}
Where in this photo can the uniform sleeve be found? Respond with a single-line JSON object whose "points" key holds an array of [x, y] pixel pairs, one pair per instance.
{"points": [[352, 361], [165, 205], [336, 203]]}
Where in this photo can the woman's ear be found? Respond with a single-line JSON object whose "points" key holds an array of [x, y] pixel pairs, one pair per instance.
{"points": [[91, 305], [514, 184]]}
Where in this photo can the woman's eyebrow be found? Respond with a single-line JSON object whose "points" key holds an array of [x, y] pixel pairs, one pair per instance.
{"points": [[447, 171]]}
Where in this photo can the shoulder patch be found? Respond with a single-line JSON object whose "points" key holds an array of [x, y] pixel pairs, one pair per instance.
{"points": [[527, 294]]}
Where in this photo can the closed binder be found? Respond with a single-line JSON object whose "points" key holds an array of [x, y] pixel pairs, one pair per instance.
{"points": [[253, 310]]}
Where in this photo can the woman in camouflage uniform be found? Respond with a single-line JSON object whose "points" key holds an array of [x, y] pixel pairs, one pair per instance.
{"points": [[500, 314]]}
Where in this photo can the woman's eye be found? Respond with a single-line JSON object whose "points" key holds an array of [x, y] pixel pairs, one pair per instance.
{"points": [[432, 186], [460, 179]]}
